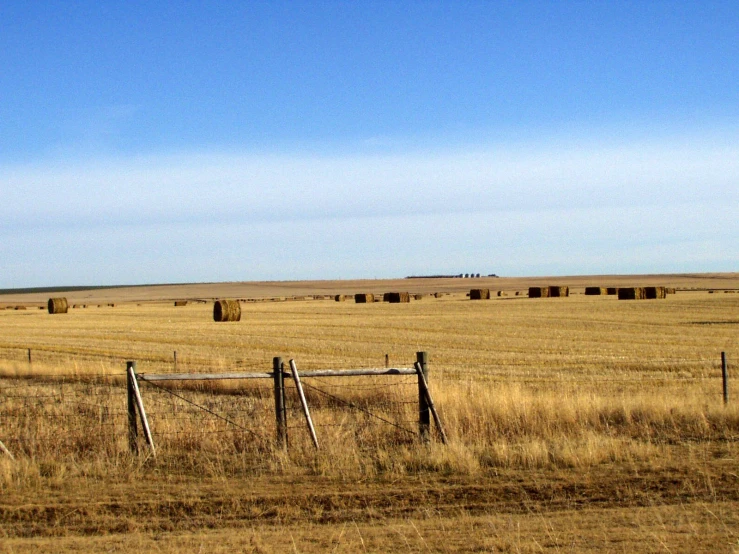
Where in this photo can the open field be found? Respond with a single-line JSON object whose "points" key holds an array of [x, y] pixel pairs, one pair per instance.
{"points": [[575, 424]]}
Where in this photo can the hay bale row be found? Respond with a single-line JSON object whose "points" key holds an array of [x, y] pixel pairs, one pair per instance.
{"points": [[558, 292], [57, 306], [227, 310], [180, 302], [552, 291], [653, 293], [397, 297], [642, 293], [631, 293], [596, 291], [364, 298]]}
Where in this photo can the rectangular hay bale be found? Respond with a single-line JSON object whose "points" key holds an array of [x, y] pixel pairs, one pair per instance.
{"points": [[631, 293], [595, 291], [480, 294], [538, 292], [558, 291]]}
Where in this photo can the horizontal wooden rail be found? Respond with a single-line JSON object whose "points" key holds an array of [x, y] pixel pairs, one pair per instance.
{"points": [[253, 375]]}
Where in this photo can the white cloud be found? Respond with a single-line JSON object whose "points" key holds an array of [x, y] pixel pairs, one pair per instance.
{"points": [[531, 208]]}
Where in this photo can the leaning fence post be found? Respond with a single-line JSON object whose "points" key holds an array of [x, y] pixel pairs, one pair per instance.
{"points": [[133, 429], [175, 361], [430, 401], [139, 403], [280, 415], [303, 402], [725, 378], [5, 451], [29, 356], [424, 416]]}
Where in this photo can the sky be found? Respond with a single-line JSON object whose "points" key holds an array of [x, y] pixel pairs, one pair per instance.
{"points": [[199, 141]]}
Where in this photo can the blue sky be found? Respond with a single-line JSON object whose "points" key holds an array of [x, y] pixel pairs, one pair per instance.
{"points": [[152, 142]]}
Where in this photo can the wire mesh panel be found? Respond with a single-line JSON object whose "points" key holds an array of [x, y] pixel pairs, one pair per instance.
{"points": [[52, 416], [368, 411], [217, 418]]}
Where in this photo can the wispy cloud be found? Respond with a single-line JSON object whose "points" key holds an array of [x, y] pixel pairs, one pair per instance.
{"points": [[244, 187], [536, 207]]}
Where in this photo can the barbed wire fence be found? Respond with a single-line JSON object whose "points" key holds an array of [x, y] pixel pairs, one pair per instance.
{"points": [[86, 415], [62, 416]]}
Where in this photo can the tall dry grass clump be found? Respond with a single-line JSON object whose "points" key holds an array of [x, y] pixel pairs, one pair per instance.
{"points": [[55, 427]]}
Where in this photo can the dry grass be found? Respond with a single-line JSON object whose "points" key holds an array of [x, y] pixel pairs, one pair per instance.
{"points": [[541, 393]]}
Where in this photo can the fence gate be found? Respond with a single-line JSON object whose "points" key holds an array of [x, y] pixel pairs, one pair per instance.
{"points": [[309, 387]]}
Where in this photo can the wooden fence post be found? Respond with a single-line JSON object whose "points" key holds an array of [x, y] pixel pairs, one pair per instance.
{"points": [[175, 361], [133, 429], [5, 451], [139, 405], [725, 378], [280, 414], [424, 415], [303, 402], [29, 355]]}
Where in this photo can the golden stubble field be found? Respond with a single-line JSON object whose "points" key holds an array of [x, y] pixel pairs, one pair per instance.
{"points": [[575, 424]]}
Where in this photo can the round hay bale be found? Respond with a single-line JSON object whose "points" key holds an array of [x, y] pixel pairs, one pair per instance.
{"points": [[180, 302], [364, 298], [558, 292], [631, 293], [418, 296], [398, 297], [20, 307], [611, 291], [654, 293], [57, 305], [227, 310], [340, 298], [479, 294]]}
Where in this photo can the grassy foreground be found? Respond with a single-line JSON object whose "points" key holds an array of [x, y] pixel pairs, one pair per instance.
{"points": [[576, 424]]}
